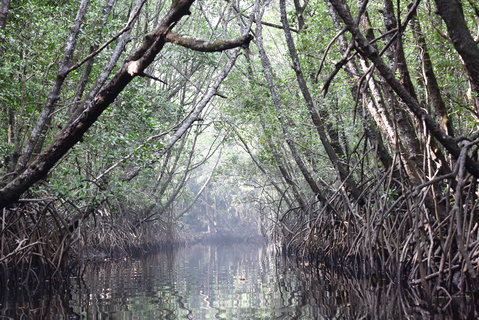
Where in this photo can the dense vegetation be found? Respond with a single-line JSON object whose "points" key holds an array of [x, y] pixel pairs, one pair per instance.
{"points": [[347, 130]]}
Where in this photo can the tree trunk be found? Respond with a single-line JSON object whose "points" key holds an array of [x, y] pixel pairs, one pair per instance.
{"points": [[89, 65], [318, 123], [283, 121], [135, 64], [370, 53], [45, 119], [371, 99], [3, 13], [115, 56], [452, 14]]}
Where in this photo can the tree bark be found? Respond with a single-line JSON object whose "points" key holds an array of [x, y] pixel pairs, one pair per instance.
{"points": [[89, 64], [397, 48], [115, 56], [4, 13], [207, 46], [452, 14], [299, 11], [284, 125], [372, 100], [3, 21], [430, 80]]}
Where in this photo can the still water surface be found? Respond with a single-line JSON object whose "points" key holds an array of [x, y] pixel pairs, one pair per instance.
{"points": [[241, 281], [200, 282]]}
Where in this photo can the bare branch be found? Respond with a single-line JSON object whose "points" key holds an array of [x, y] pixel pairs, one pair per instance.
{"points": [[207, 46], [149, 76]]}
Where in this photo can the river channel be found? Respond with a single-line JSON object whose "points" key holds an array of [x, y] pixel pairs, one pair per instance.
{"points": [[235, 281]]}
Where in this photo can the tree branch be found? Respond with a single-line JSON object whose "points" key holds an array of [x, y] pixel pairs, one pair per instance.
{"points": [[126, 28], [207, 46], [369, 52], [74, 131]]}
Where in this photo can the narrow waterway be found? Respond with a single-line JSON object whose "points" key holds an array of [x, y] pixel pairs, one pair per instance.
{"points": [[238, 281]]}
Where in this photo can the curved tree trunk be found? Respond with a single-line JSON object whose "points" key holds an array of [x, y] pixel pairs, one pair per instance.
{"points": [[134, 66]]}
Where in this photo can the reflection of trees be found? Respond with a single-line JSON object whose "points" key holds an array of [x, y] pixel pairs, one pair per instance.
{"points": [[336, 296], [203, 282], [39, 302]]}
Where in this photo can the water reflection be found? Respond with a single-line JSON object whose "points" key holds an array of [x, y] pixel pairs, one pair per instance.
{"points": [[220, 282], [201, 282]]}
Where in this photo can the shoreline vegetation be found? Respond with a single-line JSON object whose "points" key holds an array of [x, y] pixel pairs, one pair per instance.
{"points": [[344, 132]]}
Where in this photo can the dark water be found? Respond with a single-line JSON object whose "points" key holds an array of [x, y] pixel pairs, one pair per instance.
{"points": [[220, 282]]}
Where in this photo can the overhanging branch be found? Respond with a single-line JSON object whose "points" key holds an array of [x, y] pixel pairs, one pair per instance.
{"points": [[207, 46]]}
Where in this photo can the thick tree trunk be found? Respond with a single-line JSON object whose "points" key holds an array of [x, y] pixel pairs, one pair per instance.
{"points": [[439, 108], [452, 14], [401, 133], [430, 80], [371, 99], [135, 64], [299, 11], [414, 154], [397, 49]]}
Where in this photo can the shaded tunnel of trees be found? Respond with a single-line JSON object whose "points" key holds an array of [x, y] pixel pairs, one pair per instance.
{"points": [[341, 130]]}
